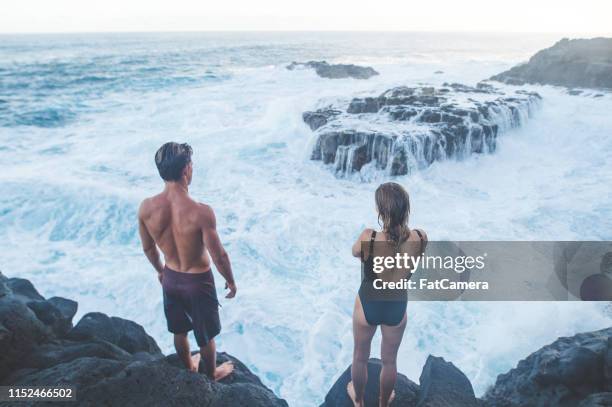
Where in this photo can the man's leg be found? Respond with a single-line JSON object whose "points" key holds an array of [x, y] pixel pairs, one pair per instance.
{"points": [[181, 344], [209, 353]]}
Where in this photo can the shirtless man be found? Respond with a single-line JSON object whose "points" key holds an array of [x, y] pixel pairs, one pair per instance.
{"points": [[185, 232]]}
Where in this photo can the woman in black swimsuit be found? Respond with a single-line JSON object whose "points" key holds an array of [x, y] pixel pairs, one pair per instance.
{"points": [[393, 206]]}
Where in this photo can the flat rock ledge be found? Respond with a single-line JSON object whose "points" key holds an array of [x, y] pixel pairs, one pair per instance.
{"points": [[335, 71], [110, 360], [408, 128]]}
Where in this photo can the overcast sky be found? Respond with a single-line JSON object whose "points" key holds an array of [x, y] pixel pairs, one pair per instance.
{"points": [[592, 17]]}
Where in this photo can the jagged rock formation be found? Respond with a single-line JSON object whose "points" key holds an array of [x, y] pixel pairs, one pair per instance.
{"points": [[441, 384], [574, 371], [406, 391], [320, 117], [336, 71], [110, 360], [569, 372], [583, 63], [408, 128]]}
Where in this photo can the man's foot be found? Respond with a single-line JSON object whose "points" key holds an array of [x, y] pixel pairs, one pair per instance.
{"points": [[223, 370], [351, 392], [195, 362]]}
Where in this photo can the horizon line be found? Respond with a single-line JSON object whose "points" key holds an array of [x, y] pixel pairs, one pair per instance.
{"points": [[564, 33]]}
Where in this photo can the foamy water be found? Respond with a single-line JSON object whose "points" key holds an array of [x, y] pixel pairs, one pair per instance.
{"points": [[81, 118]]}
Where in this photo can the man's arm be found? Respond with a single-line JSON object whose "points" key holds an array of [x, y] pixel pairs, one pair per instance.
{"points": [[215, 248], [148, 244]]}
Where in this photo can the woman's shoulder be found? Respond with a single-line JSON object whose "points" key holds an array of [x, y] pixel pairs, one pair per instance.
{"points": [[419, 234], [366, 234]]}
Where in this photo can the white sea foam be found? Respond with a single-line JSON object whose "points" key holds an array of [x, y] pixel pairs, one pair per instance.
{"points": [[68, 199]]}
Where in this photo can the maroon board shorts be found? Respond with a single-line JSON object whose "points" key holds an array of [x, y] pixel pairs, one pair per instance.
{"points": [[190, 303]]}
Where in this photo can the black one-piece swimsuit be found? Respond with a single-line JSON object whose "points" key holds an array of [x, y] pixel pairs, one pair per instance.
{"points": [[380, 312]]}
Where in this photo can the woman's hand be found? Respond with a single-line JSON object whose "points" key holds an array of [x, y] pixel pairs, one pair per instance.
{"points": [[364, 236]]}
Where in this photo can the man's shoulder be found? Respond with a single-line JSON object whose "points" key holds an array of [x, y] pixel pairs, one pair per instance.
{"points": [[205, 209], [148, 205], [205, 212], [145, 206]]}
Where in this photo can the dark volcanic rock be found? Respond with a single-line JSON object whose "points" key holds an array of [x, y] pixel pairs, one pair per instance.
{"points": [[597, 400], [336, 71], [110, 360], [563, 373], [61, 351], [66, 307], [570, 372], [102, 381], [148, 384], [133, 338], [79, 372], [126, 334], [407, 128], [608, 365], [4, 288], [241, 373], [59, 320], [583, 63], [95, 325], [406, 391], [347, 148], [442, 384], [365, 105], [320, 117], [23, 288], [20, 332]]}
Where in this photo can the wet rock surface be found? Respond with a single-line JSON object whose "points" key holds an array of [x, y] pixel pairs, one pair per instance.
{"points": [[442, 384], [405, 390], [573, 371], [409, 128], [568, 372], [583, 63], [110, 360], [335, 71]]}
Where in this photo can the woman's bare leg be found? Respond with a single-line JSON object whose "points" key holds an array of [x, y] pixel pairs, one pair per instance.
{"points": [[391, 340], [362, 334]]}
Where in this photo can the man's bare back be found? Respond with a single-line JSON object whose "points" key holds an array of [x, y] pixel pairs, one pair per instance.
{"points": [[177, 224], [185, 232]]}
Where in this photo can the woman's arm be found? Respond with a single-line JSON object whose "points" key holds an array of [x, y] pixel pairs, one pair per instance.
{"points": [[364, 236]]}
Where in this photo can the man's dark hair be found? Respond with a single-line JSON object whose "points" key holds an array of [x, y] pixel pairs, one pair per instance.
{"points": [[171, 159]]}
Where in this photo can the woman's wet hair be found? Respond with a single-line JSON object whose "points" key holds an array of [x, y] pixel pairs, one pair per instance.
{"points": [[171, 159], [393, 204]]}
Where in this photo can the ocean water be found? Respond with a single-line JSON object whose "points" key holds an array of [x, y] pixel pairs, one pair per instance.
{"points": [[81, 117]]}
